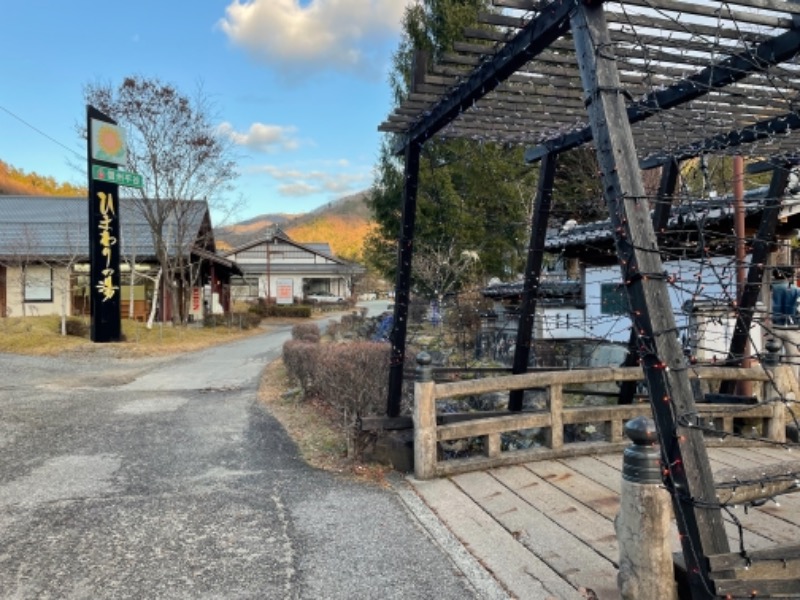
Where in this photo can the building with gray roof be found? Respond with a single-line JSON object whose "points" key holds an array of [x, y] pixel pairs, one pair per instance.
{"points": [[44, 256]]}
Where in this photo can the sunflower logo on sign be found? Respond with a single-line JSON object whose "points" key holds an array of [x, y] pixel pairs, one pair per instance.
{"points": [[108, 143]]}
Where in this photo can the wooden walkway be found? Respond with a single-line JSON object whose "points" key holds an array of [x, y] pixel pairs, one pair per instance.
{"points": [[546, 529]]}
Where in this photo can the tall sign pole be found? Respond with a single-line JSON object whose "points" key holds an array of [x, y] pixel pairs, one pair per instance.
{"points": [[106, 150]]}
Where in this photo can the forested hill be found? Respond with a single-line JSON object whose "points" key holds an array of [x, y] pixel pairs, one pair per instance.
{"points": [[17, 182], [343, 223]]}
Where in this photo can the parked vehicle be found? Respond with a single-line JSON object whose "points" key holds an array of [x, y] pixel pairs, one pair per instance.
{"points": [[324, 297]]}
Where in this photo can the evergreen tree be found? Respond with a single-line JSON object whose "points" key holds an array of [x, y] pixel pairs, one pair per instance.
{"points": [[473, 197]]}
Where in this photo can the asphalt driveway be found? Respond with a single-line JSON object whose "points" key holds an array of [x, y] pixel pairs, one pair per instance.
{"points": [[166, 479]]}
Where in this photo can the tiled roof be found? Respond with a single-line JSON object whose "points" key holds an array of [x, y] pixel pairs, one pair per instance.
{"points": [[559, 289], [216, 259], [37, 226], [707, 212], [277, 234]]}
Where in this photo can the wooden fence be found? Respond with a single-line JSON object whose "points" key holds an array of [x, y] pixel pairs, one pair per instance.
{"points": [[769, 414]]}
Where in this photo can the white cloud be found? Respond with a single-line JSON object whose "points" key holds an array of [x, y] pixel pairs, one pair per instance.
{"points": [[263, 138], [323, 34], [296, 182], [296, 190]]}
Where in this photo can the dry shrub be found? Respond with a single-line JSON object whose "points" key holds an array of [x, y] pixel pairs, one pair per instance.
{"points": [[307, 332], [75, 327], [353, 378], [350, 321], [334, 329], [300, 359], [245, 320]]}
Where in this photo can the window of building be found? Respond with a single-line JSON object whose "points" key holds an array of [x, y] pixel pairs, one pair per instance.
{"points": [[38, 283], [613, 299]]}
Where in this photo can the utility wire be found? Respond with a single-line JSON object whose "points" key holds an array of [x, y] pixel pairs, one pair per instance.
{"points": [[42, 133]]}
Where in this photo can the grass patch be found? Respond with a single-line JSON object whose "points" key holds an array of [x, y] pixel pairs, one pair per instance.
{"points": [[41, 336]]}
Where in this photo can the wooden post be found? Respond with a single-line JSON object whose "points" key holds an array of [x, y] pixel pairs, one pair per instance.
{"points": [[556, 416], [424, 419], [777, 391], [643, 522], [755, 274], [493, 445], [403, 282], [687, 469], [533, 271]]}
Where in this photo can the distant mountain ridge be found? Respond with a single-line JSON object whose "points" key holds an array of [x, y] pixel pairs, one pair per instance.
{"points": [[343, 223], [16, 182]]}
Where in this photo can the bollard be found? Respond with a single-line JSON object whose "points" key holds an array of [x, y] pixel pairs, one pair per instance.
{"points": [[772, 356], [424, 419], [776, 390], [643, 523]]}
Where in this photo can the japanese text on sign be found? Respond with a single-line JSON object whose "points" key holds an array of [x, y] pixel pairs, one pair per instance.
{"points": [[105, 285]]}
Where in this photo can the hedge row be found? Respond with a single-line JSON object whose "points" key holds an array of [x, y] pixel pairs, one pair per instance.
{"points": [[281, 310], [352, 378], [242, 320]]}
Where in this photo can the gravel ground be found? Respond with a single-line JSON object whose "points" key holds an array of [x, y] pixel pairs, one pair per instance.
{"points": [[165, 478]]}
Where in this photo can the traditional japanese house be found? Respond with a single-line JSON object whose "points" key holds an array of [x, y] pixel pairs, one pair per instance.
{"points": [[275, 266], [44, 265], [582, 303]]}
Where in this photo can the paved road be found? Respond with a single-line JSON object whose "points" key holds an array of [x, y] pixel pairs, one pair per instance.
{"points": [[166, 479]]}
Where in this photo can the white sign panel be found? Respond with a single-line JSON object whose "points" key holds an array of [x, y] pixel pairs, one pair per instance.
{"points": [[285, 291]]}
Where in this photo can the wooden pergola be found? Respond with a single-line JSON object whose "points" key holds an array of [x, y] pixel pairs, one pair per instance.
{"points": [[647, 84]]}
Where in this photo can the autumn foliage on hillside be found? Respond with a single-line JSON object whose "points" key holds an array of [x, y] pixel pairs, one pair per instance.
{"points": [[17, 182], [344, 233]]}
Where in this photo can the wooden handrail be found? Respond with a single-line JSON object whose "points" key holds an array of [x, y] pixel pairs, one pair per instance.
{"points": [[533, 380], [428, 434]]}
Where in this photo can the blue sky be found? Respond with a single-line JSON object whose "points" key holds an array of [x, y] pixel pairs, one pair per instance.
{"points": [[300, 87]]}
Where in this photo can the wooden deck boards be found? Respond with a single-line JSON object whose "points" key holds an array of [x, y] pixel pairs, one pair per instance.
{"points": [[546, 529]]}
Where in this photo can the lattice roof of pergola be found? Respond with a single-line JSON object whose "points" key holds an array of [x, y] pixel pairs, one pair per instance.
{"points": [[697, 75]]}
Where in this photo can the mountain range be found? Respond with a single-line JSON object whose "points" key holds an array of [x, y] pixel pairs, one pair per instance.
{"points": [[343, 223]]}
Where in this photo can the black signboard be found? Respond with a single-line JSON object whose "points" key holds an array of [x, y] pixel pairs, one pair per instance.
{"points": [[104, 230]]}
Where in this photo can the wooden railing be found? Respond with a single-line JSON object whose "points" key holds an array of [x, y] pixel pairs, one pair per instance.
{"points": [[429, 432]]}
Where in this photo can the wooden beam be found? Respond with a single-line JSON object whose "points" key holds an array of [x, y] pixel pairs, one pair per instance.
{"points": [[769, 588], [735, 560], [403, 279], [718, 12], [663, 209], [765, 237], [529, 42], [533, 272], [726, 72], [753, 133], [742, 486], [688, 471]]}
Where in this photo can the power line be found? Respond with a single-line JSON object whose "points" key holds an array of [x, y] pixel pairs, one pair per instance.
{"points": [[42, 133]]}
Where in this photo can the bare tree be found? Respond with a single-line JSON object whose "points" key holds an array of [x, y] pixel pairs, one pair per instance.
{"points": [[72, 252], [174, 146], [45, 268], [440, 269]]}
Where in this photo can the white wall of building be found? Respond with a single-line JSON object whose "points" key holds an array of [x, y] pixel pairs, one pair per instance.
{"points": [[40, 279], [691, 284]]}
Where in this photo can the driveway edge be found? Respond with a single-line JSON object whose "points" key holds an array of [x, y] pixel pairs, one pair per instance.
{"points": [[480, 579]]}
